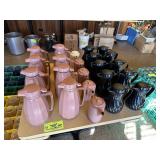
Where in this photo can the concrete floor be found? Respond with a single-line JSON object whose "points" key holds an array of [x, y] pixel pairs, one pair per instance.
{"points": [[139, 129]]}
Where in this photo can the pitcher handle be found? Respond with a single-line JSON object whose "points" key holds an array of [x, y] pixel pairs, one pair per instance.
{"points": [[49, 93], [84, 95]]}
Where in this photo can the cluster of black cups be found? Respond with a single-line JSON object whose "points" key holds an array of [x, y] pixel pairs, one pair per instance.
{"points": [[113, 79]]}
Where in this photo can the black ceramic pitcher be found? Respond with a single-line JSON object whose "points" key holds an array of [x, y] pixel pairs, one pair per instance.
{"points": [[135, 98], [114, 98], [103, 81]]}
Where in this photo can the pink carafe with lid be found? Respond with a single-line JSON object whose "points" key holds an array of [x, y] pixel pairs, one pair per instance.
{"points": [[35, 105], [60, 48], [36, 60], [34, 75], [90, 87], [69, 100], [63, 71], [36, 50], [96, 109]]}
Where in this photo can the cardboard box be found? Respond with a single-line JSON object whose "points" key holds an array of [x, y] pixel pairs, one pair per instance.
{"points": [[108, 31], [104, 40], [144, 47], [71, 41]]}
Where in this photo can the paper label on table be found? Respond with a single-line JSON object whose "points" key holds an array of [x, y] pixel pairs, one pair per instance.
{"points": [[151, 75], [33, 40], [53, 126]]}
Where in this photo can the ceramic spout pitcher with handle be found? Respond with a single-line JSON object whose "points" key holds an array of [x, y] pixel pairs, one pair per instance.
{"points": [[36, 50], [35, 106], [63, 71], [69, 100], [33, 75], [135, 98], [96, 109], [90, 88]]}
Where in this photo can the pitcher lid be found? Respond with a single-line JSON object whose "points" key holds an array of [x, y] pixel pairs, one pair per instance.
{"points": [[75, 53], [59, 45], [63, 67], [35, 47], [83, 71], [30, 71], [59, 57], [33, 58], [100, 62], [79, 61], [89, 84], [97, 101], [107, 71], [30, 90], [69, 82]]}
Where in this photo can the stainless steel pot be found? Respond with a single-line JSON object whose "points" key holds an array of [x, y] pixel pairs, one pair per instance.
{"points": [[32, 40], [15, 42]]}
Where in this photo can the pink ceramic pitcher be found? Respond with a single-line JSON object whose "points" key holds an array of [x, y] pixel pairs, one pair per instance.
{"points": [[63, 71], [69, 100], [36, 50], [33, 75], [35, 105], [90, 87], [59, 48], [96, 109], [36, 60]]}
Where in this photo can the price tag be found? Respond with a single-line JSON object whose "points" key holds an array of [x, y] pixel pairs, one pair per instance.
{"points": [[33, 40], [53, 126], [151, 75]]}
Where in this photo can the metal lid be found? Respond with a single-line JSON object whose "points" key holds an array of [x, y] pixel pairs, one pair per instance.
{"points": [[99, 62], [118, 87], [83, 71], [107, 72]]}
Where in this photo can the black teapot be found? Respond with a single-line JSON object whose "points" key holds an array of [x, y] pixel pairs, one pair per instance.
{"points": [[109, 56], [103, 81], [102, 49], [114, 98], [135, 98], [95, 67]]}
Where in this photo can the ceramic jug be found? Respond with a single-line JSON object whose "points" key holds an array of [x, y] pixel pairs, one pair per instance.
{"points": [[104, 81], [135, 98], [96, 109], [35, 105], [33, 75], [36, 61], [36, 50], [63, 71], [114, 98], [60, 48], [83, 74], [90, 88], [78, 63], [69, 100]]}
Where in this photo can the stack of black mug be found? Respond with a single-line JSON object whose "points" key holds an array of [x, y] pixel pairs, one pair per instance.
{"points": [[113, 79]]}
